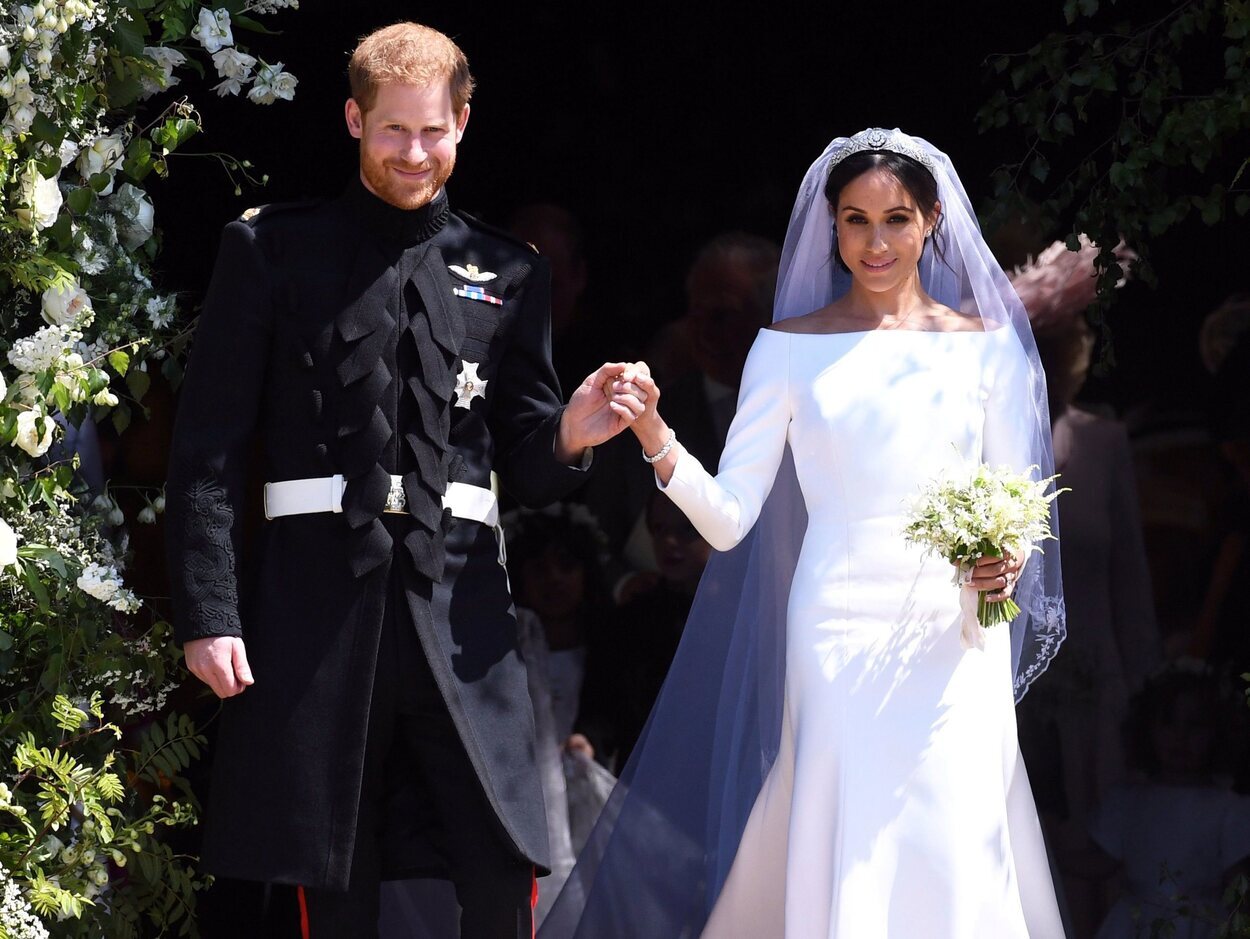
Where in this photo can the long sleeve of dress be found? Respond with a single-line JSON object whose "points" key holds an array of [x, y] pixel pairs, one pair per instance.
{"points": [[723, 508], [1009, 409]]}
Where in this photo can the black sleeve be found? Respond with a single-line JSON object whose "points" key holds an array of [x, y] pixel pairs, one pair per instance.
{"points": [[218, 406], [526, 416]]}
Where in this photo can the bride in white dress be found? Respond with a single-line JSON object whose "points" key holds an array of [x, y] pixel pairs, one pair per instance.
{"points": [[890, 799]]}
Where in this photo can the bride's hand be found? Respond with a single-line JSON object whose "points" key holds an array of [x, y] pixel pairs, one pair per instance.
{"points": [[636, 391], [996, 576]]}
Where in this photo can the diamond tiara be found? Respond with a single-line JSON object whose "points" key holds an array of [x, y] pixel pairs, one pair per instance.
{"points": [[878, 138]]}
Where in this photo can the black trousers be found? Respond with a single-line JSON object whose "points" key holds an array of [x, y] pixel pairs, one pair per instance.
{"points": [[411, 737]]}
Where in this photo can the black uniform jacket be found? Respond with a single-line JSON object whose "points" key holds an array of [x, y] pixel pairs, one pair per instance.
{"points": [[336, 331]]}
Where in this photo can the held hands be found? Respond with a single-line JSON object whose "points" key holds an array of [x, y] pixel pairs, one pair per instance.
{"points": [[996, 576], [221, 663], [603, 405]]}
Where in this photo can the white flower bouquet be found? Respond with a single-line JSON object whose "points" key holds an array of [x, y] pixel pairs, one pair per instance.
{"points": [[991, 513]]}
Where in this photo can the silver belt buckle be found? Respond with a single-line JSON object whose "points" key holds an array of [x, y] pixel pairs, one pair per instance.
{"points": [[396, 498]]}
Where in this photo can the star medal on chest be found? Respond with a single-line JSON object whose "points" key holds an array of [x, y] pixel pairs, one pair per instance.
{"points": [[474, 290], [468, 385]]}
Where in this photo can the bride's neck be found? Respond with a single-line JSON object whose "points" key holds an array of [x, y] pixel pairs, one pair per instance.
{"points": [[893, 304]]}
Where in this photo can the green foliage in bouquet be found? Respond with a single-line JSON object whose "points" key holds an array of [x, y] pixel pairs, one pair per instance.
{"points": [[91, 760]]}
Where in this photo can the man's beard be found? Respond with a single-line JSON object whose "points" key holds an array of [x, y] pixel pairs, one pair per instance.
{"points": [[392, 189]]}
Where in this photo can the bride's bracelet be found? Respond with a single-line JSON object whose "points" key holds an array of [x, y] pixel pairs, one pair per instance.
{"points": [[663, 451]]}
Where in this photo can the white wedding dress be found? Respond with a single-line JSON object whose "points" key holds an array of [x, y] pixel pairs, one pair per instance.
{"points": [[898, 805]]}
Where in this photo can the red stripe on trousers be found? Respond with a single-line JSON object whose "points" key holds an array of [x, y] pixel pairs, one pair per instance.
{"points": [[533, 903], [303, 914]]}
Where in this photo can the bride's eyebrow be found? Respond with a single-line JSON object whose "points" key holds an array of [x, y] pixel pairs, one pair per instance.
{"points": [[897, 208]]}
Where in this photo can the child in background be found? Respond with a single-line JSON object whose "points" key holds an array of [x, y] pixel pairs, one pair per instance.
{"points": [[1179, 837]]}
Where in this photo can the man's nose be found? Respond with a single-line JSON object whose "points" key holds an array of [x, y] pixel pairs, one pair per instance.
{"points": [[414, 153]]}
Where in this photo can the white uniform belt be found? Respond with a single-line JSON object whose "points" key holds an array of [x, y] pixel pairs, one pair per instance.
{"points": [[325, 494]]}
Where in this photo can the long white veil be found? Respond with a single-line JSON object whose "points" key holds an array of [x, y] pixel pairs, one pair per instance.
{"points": [[662, 849]]}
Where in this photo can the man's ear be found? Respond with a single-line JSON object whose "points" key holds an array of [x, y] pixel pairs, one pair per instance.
{"points": [[461, 122], [355, 118]]}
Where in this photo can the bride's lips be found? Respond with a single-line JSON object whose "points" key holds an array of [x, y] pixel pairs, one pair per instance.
{"points": [[877, 267]]}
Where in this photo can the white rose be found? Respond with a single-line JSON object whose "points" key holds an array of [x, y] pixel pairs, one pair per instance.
{"points": [[40, 200], [64, 306], [103, 156], [28, 437], [135, 226], [231, 63], [8, 555], [213, 30], [4, 388]]}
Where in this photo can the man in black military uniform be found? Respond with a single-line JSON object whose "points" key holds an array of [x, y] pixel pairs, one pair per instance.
{"points": [[390, 353]]}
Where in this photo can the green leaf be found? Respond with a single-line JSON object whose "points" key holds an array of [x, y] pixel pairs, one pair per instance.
{"points": [[120, 361], [251, 25], [37, 589], [121, 418], [138, 381], [1241, 205], [100, 181], [129, 35], [1039, 169], [47, 131], [81, 200], [1063, 123]]}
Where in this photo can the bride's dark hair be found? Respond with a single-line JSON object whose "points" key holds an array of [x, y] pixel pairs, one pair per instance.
{"points": [[917, 180]]}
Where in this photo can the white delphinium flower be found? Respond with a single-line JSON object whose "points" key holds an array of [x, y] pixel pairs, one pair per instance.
{"points": [[272, 6], [39, 200], [105, 399], [4, 56], [8, 555], [103, 156], [213, 30], [4, 388], [29, 437], [231, 63], [271, 84], [67, 305], [147, 515], [159, 503], [160, 311], [67, 152], [231, 86], [116, 515], [90, 259], [136, 215], [167, 60]]}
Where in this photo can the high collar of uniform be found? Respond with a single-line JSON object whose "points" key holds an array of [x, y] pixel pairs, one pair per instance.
{"points": [[394, 226]]}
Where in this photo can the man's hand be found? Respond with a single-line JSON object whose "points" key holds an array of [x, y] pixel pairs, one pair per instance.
{"points": [[996, 576], [578, 745], [221, 663], [594, 414]]}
